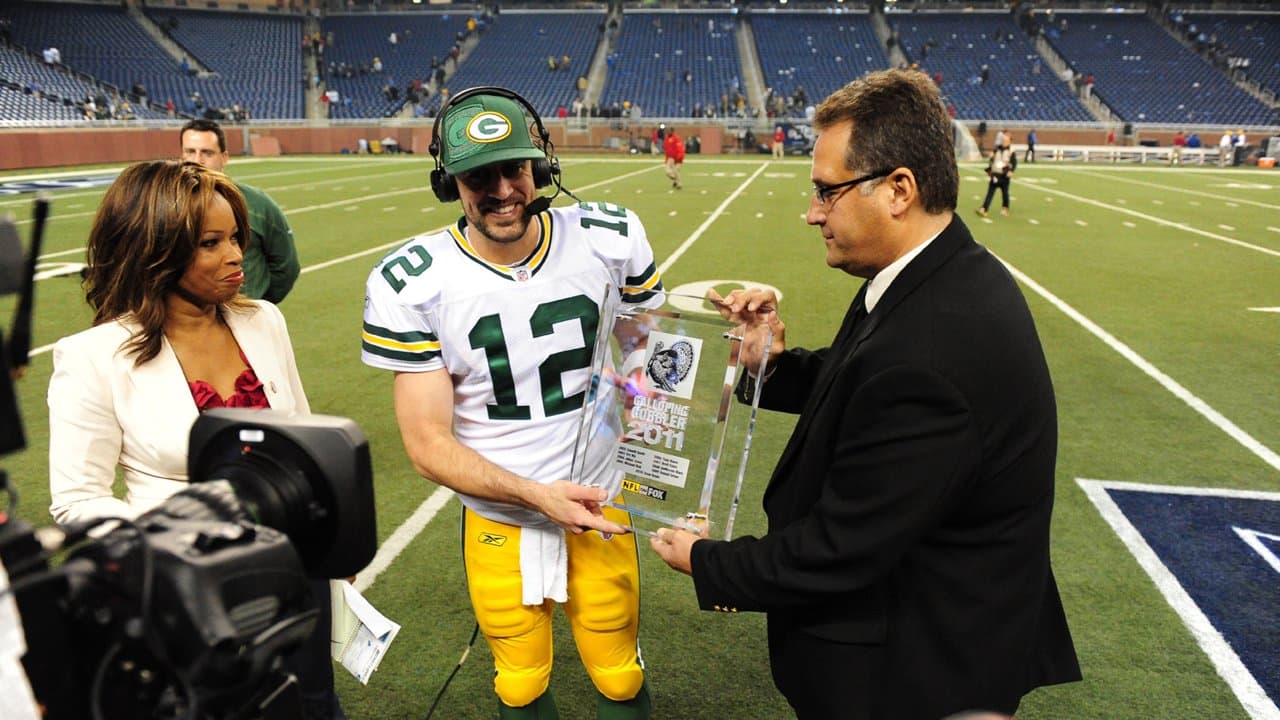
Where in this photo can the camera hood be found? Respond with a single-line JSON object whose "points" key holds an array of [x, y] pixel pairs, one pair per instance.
{"points": [[308, 476]]}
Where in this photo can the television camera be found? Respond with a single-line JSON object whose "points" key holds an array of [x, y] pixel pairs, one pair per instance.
{"points": [[187, 610]]}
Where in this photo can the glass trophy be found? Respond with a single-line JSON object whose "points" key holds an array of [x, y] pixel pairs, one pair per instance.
{"points": [[661, 412]]}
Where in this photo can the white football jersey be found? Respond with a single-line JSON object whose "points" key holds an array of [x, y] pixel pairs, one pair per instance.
{"points": [[517, 339]]}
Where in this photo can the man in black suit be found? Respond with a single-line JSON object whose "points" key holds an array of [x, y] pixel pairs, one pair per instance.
{"points": [[905, 572]]}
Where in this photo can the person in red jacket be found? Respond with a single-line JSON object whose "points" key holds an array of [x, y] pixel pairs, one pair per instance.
{"points": [[673, 147]]}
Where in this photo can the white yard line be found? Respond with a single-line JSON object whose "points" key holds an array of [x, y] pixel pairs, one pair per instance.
{"points": [[1152, 218]]}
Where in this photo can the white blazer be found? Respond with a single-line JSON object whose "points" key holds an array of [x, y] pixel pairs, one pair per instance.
{"points": [[106, 412]]}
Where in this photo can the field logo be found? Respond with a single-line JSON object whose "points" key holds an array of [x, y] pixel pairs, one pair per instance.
{"points": [[1215, 556]]}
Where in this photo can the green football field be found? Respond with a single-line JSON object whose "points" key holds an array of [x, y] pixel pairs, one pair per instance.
{"points": [[1156, 293]]}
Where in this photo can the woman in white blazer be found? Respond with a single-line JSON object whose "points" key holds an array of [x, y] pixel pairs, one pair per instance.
{"points": [[164, 276], [171, 337]]}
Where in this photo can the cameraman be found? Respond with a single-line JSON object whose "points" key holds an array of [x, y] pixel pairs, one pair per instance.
{"points": [[1000, 169], [172, 337]]}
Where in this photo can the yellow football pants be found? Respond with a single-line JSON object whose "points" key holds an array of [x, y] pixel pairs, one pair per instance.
{"points": [[603, 609]]}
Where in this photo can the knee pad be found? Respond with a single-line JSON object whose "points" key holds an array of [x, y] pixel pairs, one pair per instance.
{"points": [[618, 684], [518, 689]]}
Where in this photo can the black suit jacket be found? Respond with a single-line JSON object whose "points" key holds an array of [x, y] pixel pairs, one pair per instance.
{"points": [[909, 513]]}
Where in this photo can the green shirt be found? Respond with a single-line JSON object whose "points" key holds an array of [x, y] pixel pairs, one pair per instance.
{"points": [[270, 257]]}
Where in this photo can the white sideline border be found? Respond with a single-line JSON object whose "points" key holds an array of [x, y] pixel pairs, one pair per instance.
{"points": [[1225, 660]]}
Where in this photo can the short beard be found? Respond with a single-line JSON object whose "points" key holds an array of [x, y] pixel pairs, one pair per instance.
{"points": [[504, 234]]}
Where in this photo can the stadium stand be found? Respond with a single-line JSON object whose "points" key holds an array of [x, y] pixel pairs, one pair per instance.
{"points": [[257, 58], [358, 39], [18, 107], [1146, 76], [1145, 73], [514, 52], [818, 52], [51, 85], [1020, 86], [36, 26], [1255, 38], [656, 48], [119, 52]]}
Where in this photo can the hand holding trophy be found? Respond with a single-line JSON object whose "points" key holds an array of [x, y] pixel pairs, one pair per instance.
{"points": [[661, 411]]}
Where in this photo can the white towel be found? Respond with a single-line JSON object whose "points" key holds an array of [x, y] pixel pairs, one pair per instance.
{"points": [[544, 565]]}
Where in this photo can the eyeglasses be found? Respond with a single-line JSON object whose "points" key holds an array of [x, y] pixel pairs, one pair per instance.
{"points": [[483, 176], [826, 194]]}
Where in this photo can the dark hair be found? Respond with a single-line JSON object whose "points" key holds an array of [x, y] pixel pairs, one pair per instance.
{"points": [[143, 239], [899, 120], [202, 125]]}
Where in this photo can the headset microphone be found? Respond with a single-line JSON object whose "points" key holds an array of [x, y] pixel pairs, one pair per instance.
{"points": [[537, 207]]}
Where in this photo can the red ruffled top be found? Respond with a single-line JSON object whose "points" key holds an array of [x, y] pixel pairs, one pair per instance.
{"points": [[248, 392]]}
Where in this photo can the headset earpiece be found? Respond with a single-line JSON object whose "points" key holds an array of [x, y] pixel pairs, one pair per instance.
{"points": [[542, 173], [443, 185]]}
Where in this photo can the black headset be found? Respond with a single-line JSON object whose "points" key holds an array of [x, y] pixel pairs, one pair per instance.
{"points": [[546, 169]]}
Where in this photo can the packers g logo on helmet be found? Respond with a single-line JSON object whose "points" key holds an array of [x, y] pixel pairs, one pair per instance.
{"points": [[488, 127]]}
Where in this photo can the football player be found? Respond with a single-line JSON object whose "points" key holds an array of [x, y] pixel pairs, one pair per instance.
{"points": [[489, 327]]}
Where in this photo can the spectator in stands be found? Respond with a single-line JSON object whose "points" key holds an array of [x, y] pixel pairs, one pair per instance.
{"points": [[270, 257], [1179, 142], [779, 142], [985, 73], [169, 108], [52, 55], [1031, 146], [1000, 169], [1224, 149], [673, 148]]}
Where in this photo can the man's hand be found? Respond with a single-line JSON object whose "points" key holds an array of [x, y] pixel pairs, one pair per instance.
{"points": [[675, 547], [756, 312], [576, 508]]}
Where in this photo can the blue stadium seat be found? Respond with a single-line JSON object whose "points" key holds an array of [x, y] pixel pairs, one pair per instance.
{"points": [[513, 53], [1253, 37], [820, 52], [1020, 87], [257, 58], [656, 48], [1145, 75], [358, 39]]}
